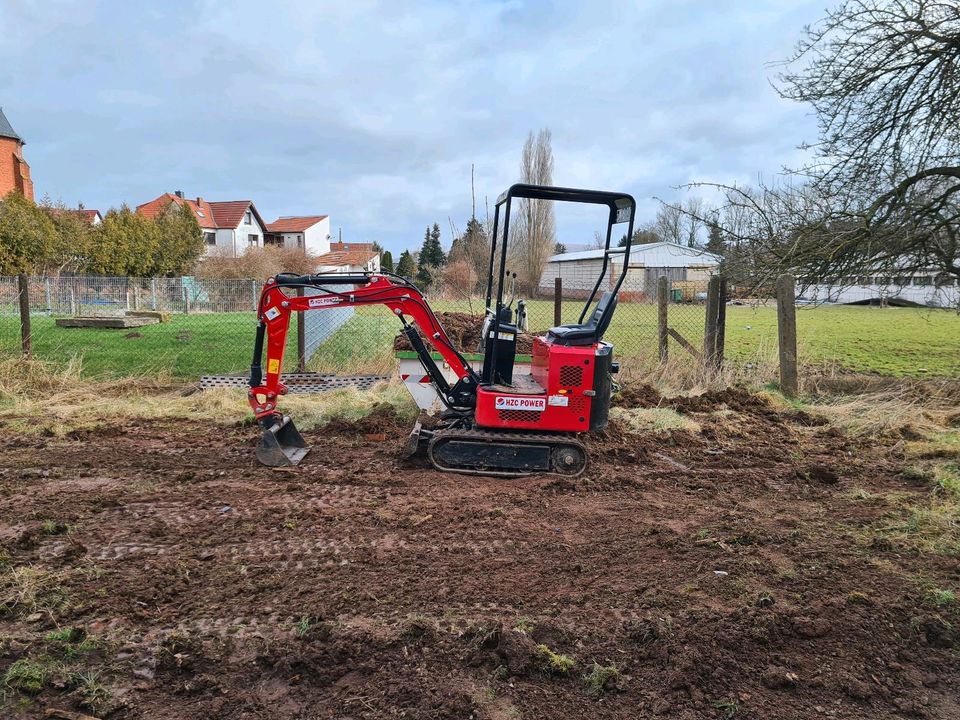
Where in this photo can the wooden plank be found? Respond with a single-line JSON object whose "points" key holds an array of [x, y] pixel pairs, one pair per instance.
{"points": [[301, 338], [25, 338], [787, 334], [161, 315], [684, 343], [663, 303], [125, 321]]}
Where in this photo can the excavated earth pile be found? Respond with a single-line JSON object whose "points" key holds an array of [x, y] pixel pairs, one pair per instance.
{"points": [[464, 331], [716, 570]]}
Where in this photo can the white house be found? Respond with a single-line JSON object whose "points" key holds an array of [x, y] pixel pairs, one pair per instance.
{"points": [[310, 233], [349, 257], [579, 271], [229, 227]]}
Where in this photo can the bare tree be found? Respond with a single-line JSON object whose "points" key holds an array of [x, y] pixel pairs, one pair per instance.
{"points": [[694, 210], [535, 229], [881, 195], [668, 224]]}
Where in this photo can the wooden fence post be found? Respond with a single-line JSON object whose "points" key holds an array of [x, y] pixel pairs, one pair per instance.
{"points": [[710, 323], [24, 314], [787, 333], [663, 303], [721, 323], [301, 338], [557, 300]]}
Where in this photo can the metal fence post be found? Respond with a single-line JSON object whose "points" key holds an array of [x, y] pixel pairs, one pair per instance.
{"points": [[787, 333], [49, 294], [186, 299], [24, 314], [663, 301], [557, 300], [153, 293], [253, 293]]}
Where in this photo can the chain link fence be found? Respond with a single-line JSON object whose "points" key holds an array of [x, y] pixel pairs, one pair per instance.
{"points": [[206, 326]]}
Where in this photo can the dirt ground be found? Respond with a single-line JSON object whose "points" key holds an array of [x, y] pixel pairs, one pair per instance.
{"points": [[716, 572]]}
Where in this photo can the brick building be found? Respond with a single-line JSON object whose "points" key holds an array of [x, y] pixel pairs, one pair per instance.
{"points": [[14, 171]]}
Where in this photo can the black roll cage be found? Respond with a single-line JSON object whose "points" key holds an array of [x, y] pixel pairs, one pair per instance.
{"points": [[622, 209]]}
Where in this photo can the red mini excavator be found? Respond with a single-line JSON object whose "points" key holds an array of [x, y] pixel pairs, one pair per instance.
{"points": [[496, 422]]}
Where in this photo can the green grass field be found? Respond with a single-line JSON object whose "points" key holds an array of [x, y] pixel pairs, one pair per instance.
{"points": [[890, 341]]}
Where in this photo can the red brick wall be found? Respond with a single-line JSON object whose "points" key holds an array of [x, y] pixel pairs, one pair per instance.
{"points": [[14, 171]]}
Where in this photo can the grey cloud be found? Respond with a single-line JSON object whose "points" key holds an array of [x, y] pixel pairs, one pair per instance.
{"points": [[374, 111]]}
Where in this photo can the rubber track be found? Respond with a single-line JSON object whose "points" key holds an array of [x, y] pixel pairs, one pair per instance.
{"points": [[552, 439]]}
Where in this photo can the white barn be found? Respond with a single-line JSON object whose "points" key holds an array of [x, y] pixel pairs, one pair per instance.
{"points": [[578, 271]]}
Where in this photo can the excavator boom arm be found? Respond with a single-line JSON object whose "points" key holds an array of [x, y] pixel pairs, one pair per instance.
{"points": [[335, 290]]}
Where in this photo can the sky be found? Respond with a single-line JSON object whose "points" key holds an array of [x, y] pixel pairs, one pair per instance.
{"points": [[373, 112]]}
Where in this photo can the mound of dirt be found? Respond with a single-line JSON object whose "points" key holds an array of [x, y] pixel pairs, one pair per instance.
{"points": [[464, 331], [382, 420]]}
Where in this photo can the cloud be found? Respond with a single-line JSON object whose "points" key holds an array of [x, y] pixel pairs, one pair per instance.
{"points": [[373, 112]]}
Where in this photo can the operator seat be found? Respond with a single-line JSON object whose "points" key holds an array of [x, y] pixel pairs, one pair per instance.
{"points": [[589, 332]]}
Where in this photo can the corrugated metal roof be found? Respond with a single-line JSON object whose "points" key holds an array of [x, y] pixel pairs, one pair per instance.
{"points": [[658, 254], [6, 130]]}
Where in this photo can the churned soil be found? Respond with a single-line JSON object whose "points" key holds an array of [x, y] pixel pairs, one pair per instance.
{"points": [[464, 331], [716, 573]]}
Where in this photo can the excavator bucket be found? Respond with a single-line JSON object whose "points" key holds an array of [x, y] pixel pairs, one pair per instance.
{"points": [[281, 444]]}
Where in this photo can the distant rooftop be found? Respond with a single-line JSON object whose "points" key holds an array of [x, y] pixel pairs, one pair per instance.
{"points": [[6, 130]]}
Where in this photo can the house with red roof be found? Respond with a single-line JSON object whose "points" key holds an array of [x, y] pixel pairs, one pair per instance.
{"points": [[92, 217], [349, 257], [310, 233], [229, 227]]}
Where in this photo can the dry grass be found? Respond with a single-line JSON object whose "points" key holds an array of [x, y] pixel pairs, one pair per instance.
{"points": [[653, 419], [35, 397]]}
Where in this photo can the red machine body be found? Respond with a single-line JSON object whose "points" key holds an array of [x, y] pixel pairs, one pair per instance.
{"points": [[557, 396]]}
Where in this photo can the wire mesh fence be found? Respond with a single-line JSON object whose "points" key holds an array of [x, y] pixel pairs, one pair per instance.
{"points": [[198, 326]]}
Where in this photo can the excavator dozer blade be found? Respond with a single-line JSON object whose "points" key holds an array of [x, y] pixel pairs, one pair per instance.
{"points": [[413, 442], [281, 444]]}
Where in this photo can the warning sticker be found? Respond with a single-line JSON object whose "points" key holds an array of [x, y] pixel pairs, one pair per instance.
{"points": [[273, 365], [559, 400], [324, 301], [513, 402], [272, 313]]}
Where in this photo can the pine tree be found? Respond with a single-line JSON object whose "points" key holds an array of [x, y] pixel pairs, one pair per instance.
{"points": [[559, 248], [431, 257], [405, 266], [715, 242], [386, 261]]}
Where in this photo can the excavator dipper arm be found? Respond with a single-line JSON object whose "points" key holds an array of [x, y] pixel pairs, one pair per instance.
{"points": [[282, 444]]}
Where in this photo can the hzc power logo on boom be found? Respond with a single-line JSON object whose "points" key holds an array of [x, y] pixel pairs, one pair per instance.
{"points": [[508, 402]]}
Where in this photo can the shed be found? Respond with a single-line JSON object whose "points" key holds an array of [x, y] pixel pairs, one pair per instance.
{"points": [[647, 263]]}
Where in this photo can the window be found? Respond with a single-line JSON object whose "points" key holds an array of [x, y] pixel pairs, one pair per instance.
{"points": [[210, 238], [248, 218], [252, 240]]}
